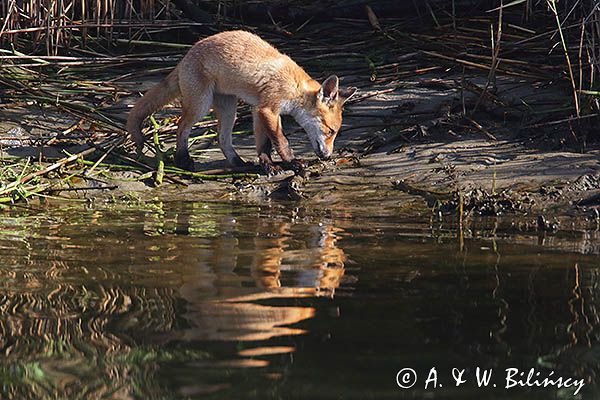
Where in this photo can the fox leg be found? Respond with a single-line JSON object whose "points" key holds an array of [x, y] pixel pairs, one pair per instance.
{"points": [[269, 133], [264, 146], [269, 125], [225, 107], [195, 105]]}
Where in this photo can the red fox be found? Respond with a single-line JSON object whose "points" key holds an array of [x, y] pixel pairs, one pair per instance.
{"points": [[232, 65]]}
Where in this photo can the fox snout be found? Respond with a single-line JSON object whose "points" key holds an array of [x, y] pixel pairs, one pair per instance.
{"points": [[322, 145], [323, 150], [324, 154]]}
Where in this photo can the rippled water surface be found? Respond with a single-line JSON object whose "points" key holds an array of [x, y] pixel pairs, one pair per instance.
{"points": [[231, 301]]}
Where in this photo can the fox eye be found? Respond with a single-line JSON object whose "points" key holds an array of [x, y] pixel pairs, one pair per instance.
{"points": [[331, 132]]}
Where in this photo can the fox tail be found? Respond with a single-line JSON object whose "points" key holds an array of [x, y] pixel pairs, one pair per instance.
{"points": [[153, 99]]}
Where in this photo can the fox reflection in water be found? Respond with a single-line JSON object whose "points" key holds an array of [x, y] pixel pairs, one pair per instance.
{"points": [[168, 301], [88, 324], [280, 267]]}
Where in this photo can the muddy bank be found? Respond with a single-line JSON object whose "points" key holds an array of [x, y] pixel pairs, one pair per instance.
{"points": [[375, 163], [424, 134]]}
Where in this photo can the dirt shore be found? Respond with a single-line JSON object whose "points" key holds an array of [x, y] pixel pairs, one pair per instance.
{"points": [[426, 163], [421, 134]]}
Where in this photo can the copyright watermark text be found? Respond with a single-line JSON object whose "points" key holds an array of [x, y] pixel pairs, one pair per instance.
{"points": [[509, 378]]}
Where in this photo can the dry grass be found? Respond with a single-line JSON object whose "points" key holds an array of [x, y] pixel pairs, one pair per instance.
{"points": [[50, 25]]}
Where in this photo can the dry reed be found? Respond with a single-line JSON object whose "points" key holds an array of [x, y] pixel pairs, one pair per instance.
{"points": [[49, 25]]}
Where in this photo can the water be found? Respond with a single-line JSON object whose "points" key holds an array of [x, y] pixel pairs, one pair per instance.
{"points": [[232, 301]]}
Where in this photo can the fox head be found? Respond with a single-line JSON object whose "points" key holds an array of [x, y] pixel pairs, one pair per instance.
{"points": [[321, 116]]}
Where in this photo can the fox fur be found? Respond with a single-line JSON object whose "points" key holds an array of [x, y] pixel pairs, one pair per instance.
{"points": [[232, 65]]}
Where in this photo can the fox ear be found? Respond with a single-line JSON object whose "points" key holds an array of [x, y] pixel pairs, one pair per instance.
{"points": [[347, 93], [329, 90]]}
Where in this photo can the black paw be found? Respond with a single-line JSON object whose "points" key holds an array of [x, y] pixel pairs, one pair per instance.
{"points": [[295, 165], [271, 169], [139, 150], [184, 162], [239, 163]]}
